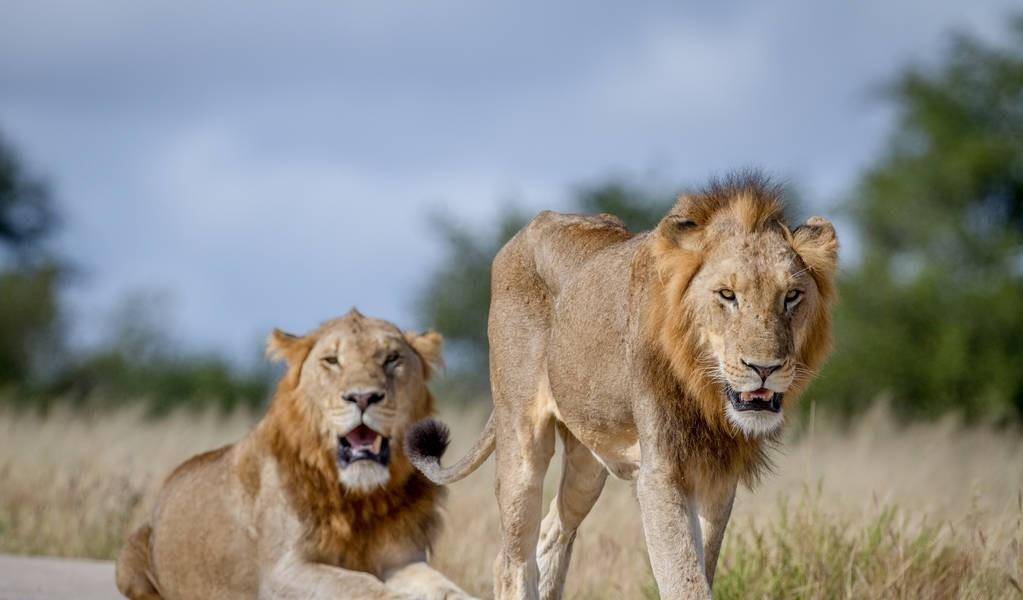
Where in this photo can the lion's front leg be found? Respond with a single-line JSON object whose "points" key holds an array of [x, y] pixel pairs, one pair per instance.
{"points": [[715, 510], [673, 537], [294, 579], [419, 580]]}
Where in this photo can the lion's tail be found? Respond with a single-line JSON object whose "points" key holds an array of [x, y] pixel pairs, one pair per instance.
{"points": [[426, 442]]}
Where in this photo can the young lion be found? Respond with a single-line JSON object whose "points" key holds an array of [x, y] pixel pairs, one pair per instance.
{"points": [[316, 502], [667, 357]]}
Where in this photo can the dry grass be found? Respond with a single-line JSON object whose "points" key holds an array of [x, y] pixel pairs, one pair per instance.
{"points": [[930, 511]]}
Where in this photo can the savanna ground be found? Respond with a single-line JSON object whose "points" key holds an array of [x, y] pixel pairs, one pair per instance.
{"points": [[875, 511]]}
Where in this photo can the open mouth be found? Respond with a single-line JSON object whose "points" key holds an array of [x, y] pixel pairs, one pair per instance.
{"points": [[362, 443], [762, 399]]}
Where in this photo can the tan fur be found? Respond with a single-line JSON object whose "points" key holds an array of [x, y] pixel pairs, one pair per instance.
{"points": [[630, 343], [269, 516]]}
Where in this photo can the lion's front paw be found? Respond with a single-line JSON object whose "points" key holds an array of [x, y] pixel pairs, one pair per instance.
{"points": [[442, 592], [452, 593], [422, 582]]}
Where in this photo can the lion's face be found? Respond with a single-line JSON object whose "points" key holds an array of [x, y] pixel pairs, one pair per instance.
{"points": [[751, 300], [756, 296], [366, 382]]}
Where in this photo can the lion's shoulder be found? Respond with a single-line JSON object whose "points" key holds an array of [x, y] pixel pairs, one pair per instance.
{"points": [[199, 461], [553, 246]]}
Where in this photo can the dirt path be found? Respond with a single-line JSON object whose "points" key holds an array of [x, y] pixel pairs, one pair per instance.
{"points": [[32, 578]]}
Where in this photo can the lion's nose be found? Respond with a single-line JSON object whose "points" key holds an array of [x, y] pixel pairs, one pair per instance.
{"points": [[763, 370], [364, 399]]}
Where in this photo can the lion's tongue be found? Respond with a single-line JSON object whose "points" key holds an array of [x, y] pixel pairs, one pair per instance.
{"points": [[362, 437]]}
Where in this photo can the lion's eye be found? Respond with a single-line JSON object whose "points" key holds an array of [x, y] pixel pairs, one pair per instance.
{"points": [[792, 297], [727, 294], [330, 360], [393, 360]]}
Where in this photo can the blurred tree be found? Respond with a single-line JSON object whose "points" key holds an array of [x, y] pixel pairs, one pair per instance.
{"points": [[140, 361], [29, 322], [27, 214], [457, 297], [29, 278], [932, 315], [640, 208]]}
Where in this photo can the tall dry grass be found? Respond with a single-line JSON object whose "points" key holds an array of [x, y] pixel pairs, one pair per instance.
{"points": [[926, 511]]}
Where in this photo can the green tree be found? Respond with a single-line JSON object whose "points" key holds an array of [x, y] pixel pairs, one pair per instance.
{"points": [[141, 361], [639, 207], [29, 322], [932, 314], [29, 276], [457, 298], [27, 213]]}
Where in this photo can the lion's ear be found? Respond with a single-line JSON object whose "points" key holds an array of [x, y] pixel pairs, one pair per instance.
{"points": [[682, 224], [817, 244], [287, 347], [429, 346]]}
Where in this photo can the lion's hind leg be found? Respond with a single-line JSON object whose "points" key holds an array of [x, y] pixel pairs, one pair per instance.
{"points": [[582, 480], [523, 410], [133, 571], [524, 450], [522, 461]]}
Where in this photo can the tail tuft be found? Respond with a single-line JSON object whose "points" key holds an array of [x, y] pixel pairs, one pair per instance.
{"points": [[427, 441]]}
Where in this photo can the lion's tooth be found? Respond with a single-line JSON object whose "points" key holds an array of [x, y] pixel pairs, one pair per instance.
{"points": [[378, 444]]}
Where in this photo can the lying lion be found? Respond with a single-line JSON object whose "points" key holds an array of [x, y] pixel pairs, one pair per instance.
{"points": [[668, 357], [316, 502]]}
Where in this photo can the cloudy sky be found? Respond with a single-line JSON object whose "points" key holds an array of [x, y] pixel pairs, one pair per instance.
{"points": [[267, 164]]}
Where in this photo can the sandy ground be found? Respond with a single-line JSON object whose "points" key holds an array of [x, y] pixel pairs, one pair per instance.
{"points": [[30, 578]]}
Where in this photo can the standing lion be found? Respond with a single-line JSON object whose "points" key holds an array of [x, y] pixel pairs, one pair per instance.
{"points": [[668, 357], [316, 502]]}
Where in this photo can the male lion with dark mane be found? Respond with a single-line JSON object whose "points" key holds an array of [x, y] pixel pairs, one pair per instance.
{"points": [[316, 502], [668, 357]]}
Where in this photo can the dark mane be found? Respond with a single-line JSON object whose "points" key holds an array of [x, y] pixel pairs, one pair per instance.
{"points": [[753, 198]]}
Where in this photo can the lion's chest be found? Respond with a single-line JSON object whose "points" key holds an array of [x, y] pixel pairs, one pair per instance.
{"points": [[379, 533], [375, 549]]}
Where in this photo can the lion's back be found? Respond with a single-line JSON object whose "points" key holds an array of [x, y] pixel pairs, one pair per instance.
{"points": [[550, 250]]}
